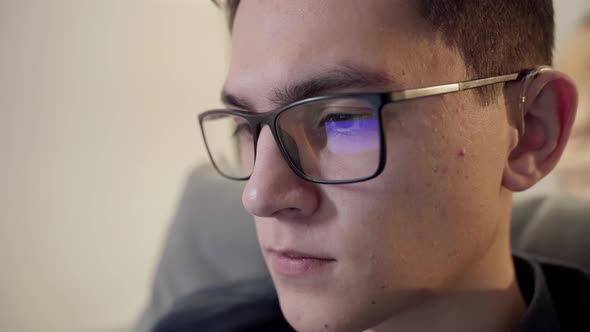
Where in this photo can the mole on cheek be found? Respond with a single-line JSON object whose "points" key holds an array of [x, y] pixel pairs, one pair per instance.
{"points": [[462, 152]]}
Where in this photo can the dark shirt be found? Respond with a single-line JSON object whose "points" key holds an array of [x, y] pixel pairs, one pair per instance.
{"points": [[558, 298]]}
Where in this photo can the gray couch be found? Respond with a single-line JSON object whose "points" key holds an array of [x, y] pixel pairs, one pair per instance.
{"points": [[212, 241]]}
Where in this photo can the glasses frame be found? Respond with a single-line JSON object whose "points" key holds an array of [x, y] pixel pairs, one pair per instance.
{"points": [[376, 100]]}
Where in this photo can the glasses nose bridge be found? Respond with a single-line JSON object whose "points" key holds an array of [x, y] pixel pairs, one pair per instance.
{"points": [[257, 122]]}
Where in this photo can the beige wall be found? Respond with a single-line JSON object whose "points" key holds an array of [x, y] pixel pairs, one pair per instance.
{"points": [[574, 167], [97, 133]]}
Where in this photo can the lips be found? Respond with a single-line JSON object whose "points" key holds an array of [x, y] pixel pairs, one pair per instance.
{"points": [[293, 263]]}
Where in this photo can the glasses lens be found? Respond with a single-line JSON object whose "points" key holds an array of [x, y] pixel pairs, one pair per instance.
{"points": [[230, 144], [332, 140]]}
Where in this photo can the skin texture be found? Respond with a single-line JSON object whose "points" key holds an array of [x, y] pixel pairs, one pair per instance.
{"points": [[424, 246]]}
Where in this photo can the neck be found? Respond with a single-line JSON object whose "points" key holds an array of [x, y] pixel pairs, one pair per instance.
{"points": [[486, 298]]}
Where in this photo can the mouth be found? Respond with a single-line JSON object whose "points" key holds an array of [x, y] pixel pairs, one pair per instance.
{"points": [[293, 263]]}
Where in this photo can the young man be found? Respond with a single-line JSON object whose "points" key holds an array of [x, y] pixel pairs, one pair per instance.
{"points": [[382, 194]]}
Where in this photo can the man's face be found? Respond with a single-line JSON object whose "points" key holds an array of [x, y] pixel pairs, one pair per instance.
{"points": [[418, 228]]}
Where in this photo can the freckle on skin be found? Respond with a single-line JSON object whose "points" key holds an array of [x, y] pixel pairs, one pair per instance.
{"points": [[326, 326]]}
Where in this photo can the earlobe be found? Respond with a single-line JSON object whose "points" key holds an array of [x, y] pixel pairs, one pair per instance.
{"points": [[551, 102]]}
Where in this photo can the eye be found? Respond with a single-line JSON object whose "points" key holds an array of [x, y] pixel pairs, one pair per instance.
{"points": [[344, 121], [351, 133]]}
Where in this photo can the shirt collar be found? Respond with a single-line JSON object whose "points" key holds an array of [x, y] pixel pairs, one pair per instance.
{"points": [[541, 315]]}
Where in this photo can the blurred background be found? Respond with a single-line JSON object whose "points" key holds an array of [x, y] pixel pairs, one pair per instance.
{"points": [[98, 132]]}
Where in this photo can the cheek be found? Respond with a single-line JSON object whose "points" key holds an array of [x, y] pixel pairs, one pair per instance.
{"points": [[432, 210]]}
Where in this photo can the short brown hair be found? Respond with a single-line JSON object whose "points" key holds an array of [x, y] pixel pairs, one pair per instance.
{"points": [[494, 37]]}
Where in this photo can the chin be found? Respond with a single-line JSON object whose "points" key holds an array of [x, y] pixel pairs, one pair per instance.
{"points": [[307, 312], [342, 309]]}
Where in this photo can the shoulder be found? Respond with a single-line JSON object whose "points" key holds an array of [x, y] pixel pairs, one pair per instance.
{"points": [[569, 289]]}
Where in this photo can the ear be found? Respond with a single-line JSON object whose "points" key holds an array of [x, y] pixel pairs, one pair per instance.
{"points": [[551, 102]]}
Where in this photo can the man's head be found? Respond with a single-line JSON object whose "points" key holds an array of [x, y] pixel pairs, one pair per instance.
{"points": [[435, 221]]}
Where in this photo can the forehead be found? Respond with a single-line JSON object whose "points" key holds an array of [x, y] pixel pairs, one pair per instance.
{"points": [[278, 42]]}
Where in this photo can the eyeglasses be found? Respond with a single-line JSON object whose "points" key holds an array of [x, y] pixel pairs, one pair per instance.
{"points": [[334, 139]]}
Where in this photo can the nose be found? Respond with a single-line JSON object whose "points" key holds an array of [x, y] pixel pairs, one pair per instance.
{"points": [[274, 190]]}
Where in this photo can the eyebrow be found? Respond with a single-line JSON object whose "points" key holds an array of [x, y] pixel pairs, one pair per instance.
{"points": [[339, 78]]}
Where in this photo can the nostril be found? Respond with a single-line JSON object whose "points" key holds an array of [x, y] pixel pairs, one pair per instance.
{"points": [[290, 212]]}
